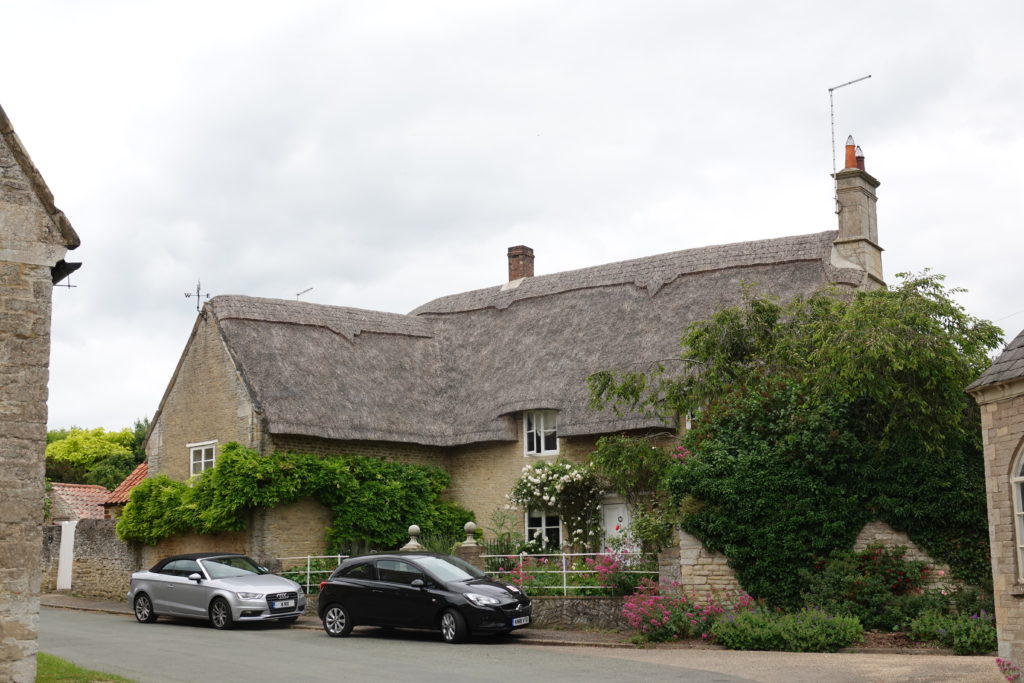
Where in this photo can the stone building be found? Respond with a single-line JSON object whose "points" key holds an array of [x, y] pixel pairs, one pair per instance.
{"points": [[34, 237], [1000, 393], [479, 383]]}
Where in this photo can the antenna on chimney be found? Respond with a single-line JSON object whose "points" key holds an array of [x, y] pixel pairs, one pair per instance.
{"points": [[832, 121]]}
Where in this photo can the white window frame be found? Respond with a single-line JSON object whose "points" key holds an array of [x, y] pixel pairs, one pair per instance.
{"points": [[544, 425], [204, 462], [549, 520], [1017, 484]]}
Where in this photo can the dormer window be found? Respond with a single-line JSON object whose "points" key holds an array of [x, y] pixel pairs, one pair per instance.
{"points": [[541, 429]]}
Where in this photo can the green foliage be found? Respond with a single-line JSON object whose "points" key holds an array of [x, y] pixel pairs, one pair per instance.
{"points": [[804, 631], [371, 500], [661, 613], [84, 448], [878, 585], [571, 490], [94, 456], [965, 634], [817, 416]]}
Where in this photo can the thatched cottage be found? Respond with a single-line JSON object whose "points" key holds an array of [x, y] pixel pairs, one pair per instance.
{"points": [[480, 382]]}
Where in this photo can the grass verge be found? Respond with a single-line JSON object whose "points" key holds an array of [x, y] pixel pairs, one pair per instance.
{"points": [[50, 669]]}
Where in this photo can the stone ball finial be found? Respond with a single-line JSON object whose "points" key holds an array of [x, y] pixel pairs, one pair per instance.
{"points": [[470, 529], [413, 544], [414, 531]]}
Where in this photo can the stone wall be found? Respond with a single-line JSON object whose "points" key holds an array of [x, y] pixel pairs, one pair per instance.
{"points": [[1002, 421], [579, 613], [880, 532], [696, 570], [689, 564], [103, 564], [34, 236]]}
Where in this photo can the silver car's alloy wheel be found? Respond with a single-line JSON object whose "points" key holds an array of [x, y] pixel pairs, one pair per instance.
{"points": [[220, 614], [144, 609]]}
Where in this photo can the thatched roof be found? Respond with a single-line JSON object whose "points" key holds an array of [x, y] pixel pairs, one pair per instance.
{"points": [[1007, 367], [454, 370]]}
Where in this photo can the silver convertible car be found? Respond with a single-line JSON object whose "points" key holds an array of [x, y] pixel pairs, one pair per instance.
{"points": [[224, 588]]}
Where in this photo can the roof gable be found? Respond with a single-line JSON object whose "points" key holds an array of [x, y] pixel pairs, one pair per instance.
{"points": [[77, 501], [122, 494]]}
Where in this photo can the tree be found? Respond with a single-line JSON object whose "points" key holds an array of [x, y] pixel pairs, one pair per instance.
{"points": [[816, 416]]}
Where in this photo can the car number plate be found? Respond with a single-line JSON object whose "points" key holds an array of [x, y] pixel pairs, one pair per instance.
{"points": [[519, 621], [282, 603]]}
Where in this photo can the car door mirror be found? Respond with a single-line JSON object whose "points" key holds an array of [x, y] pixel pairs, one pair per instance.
{"points": [[195, 576], [417, 583]]}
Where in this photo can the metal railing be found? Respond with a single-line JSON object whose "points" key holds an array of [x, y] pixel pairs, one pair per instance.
{"points": [[310, 570], [564, 567]]}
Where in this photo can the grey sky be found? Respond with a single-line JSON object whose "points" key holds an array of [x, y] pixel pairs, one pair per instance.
{"points": [[388, 152]]}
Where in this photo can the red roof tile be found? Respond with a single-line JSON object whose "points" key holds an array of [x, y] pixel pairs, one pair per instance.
{"points": [[123, 492], [83, 501]]}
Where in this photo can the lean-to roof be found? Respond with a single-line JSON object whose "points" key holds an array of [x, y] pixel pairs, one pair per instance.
{"points": [[455, 370]]}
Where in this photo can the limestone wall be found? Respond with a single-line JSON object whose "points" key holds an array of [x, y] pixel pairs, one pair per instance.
{"points": [[1002, 421], [880, 532], [102, 563], [696, 570]]}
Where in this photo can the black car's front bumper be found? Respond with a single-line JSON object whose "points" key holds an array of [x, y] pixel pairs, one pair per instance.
{"points": [[503, 618]]}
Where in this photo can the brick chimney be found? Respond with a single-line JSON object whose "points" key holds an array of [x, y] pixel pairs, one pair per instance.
{"points": [[520, 262], [857, 242]]}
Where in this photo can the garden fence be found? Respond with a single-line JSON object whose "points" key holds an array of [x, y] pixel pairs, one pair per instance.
{"points": [[610, 572]]}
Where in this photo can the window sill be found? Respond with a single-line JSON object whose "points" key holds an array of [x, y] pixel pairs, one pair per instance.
{"points": [[1017, 590]]}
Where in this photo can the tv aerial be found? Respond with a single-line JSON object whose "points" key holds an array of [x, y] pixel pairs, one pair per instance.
{"points": [[832, 121]]}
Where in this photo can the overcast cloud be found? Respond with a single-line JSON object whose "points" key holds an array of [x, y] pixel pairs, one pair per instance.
{"points": [[389, 152]]}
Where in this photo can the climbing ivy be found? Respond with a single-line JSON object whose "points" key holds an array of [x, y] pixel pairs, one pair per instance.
{"points": [[372, 501], [814, 417]]}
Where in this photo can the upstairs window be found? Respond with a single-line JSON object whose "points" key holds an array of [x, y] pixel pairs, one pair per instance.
{"points": [[203, 456], [541, 428]]}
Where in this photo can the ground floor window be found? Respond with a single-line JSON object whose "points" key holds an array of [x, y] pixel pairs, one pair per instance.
{"points": [[1018, 513], [544, 528], [203, 456]]}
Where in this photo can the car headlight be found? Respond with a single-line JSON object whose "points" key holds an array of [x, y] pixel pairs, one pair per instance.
{"points": [[482, 600], [249, 596]]}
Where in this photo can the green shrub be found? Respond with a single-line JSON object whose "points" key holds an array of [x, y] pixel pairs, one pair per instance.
{"points": [[803, 631], [667, 613], [973, 634], [878, 585]]}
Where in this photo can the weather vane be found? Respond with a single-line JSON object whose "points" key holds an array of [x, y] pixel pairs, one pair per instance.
{"points": [[832, 120], [198, 294]]}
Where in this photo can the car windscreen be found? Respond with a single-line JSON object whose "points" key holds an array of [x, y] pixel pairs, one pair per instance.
{"points": [[450, 568], [223, 567]]}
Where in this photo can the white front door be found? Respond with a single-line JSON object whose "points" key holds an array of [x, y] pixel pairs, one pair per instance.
{"points": [[615, 517]]}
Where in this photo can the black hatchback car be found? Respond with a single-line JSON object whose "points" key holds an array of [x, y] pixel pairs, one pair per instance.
{"points": [[419, 590]]}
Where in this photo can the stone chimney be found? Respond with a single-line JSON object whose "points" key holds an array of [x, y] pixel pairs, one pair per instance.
{"points": [[520, 262], [857, 242]]}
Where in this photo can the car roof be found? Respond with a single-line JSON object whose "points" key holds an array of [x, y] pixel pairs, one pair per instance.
{"points": [[396, 554], [191, 556]]}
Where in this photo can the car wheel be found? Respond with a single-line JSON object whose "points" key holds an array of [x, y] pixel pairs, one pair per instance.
{"points": [[144, 609], [337, 623], [220, 614], [453, 627]]}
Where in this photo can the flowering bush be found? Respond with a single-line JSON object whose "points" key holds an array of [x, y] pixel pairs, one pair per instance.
{"points": [[571, 490], [659, 615], [1010, 671]]}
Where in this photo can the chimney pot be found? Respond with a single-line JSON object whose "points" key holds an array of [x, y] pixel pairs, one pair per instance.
{"points": [[851, 153], [859, 155], [520, 262]]}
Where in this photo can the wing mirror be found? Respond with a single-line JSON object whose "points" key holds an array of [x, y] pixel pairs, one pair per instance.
{"points": [[195, 576], [417, 583]]}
